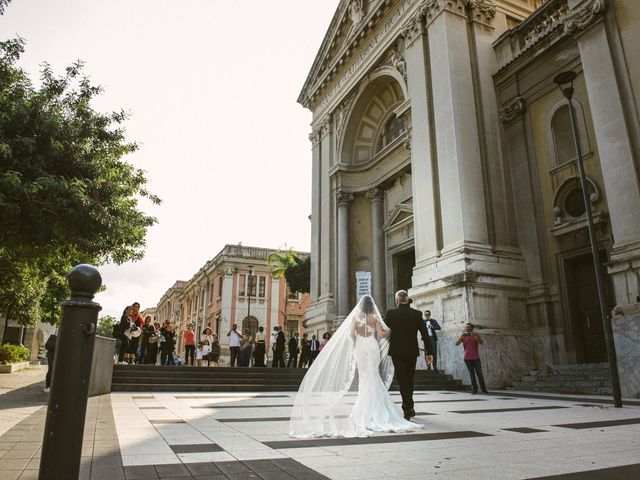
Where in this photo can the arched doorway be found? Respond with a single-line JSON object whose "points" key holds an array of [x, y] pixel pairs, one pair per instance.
{"points": [[250, 323]]}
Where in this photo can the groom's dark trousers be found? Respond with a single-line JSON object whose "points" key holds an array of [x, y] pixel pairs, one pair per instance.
{"points": [[405, 323]]}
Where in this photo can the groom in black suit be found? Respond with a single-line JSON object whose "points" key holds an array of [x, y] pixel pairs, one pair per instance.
{"points": [[405, 322]]}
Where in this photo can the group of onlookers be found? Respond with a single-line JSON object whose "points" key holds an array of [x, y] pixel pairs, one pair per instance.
{"points": [[148, 343], [245, 350]]}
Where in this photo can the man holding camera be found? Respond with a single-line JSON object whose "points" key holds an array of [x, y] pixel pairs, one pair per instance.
{"points": [[470, 342]]}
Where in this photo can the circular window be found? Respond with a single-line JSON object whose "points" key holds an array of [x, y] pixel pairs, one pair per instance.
{"points": [[574, 203]]}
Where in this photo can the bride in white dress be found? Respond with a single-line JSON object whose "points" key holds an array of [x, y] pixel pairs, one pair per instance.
{"points": [[345, 392]]}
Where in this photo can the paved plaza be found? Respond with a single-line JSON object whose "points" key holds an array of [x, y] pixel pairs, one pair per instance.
{"points": [[244, 436]]}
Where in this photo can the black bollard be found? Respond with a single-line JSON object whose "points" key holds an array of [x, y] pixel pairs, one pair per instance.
{"points": [[64, 428]]}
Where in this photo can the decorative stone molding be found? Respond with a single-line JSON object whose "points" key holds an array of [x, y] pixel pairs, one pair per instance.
{"points": [[585, 16], [483, 11], [343, 197], [513, 111], [356, 12], [375, 194], [229, 271], [396, 60]]}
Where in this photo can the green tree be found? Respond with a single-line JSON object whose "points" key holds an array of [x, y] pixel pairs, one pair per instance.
{"points": [[105, 326], [67, 196], [3, 5], [299, 275]]}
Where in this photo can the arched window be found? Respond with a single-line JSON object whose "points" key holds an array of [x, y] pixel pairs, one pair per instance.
{"points": [[562, 148], [563, 136], [393, 129]]}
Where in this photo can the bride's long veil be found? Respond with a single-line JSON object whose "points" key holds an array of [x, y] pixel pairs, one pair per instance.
{"points": [[323, 404]]}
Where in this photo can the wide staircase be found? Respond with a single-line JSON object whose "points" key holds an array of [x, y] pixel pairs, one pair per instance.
{"points": [[579, 378], [148, 378]]}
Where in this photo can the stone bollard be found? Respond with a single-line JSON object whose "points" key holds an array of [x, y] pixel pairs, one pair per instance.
{"points": [[64, 427]]}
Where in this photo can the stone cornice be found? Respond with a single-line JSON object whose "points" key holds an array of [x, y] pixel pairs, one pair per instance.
{"points": [[513, 111], [551, 22], [315, 88]]}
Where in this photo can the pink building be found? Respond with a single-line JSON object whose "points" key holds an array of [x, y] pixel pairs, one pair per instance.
{"points": [[236, 286]]}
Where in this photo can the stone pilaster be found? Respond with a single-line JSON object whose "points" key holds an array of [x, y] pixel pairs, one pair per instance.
{"points": [[326, 253], [343, 201], [457, 138], [426, 198], [376, 198], [316, 225], [227, 301]]}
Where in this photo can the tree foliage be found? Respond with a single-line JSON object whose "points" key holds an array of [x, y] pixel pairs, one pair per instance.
{"points": [[105, 326], [296, 270], [299, 275], [67, 196], [3, 5]]}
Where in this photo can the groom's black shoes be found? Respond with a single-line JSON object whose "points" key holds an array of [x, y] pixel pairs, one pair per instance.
{"points": [[409, 413]]}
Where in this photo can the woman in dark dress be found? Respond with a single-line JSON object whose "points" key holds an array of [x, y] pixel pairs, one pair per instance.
{"points": [[168, 346], [147, 330], [124, 326]]}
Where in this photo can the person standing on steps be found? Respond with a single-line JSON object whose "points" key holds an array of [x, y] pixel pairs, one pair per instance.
{"points": [[432, 325], [405, 323], [278, 351], [234, 345], [293, 350], [314, 347], [470, 342], [189, 342]]}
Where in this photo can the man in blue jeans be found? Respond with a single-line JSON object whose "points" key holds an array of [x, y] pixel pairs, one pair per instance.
{"points": [[470, 342]]}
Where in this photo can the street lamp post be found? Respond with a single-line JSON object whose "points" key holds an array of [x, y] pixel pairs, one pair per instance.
{"points": [[564, 81], [249, 278]]}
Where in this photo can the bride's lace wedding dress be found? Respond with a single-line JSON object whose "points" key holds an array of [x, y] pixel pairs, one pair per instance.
{"points": [[345, 391]]}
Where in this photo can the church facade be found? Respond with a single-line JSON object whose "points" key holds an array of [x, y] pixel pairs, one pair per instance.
{"points": [[443, 163]]}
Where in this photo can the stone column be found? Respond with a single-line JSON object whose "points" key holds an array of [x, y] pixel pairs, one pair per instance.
{"points": [[615, 149], [314, 137], [426, 198], [343, 199], [376, 198], [326, 161]]}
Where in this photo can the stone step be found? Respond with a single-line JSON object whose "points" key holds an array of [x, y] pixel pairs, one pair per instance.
{"points": [[166, 379], [531, 378], [552, 383], [251, 387]]}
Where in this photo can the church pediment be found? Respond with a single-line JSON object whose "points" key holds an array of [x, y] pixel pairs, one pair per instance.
{"points": [[399, 217], [351, 19]]}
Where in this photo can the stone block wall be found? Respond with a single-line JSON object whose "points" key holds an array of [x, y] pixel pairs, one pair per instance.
{"points": [[626, 335]]}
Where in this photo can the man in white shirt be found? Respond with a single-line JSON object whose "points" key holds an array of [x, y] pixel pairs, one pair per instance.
{"points": [[234, 344]]}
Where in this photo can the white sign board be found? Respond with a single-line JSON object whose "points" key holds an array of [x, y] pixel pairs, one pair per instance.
{"points": [[363, 284]]}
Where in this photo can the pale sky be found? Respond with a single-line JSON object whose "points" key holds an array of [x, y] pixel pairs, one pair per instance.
{"points": [[212, 88]]}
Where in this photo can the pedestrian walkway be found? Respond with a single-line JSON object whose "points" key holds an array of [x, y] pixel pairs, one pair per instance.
{"points": [[244, 436]]}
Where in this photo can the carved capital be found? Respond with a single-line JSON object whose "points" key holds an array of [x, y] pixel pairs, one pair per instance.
{"points": [[513, 111], [314, 137], [585, 16], [375, 194], [433, 8], [483, 11], [229, 271], [414, 27], [325, 126], [343, 197]]}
